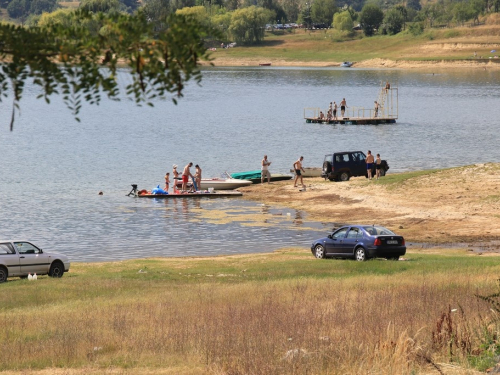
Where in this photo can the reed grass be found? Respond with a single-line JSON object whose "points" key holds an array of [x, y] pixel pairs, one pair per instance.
{"points": [[278, 313]]}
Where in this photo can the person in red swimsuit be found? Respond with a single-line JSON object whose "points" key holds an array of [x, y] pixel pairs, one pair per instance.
{"points": [[185, 176]]}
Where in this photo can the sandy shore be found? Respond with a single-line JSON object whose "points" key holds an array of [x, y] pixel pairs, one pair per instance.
{"points": [[373, 63], [458, 205]]}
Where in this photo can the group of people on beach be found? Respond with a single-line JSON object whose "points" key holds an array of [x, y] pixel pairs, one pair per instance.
{"points": [[184, 179], [332, 111], [370, 160]]}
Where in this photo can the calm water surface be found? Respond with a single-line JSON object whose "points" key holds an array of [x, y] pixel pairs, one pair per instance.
{"points": [[52, 167]]}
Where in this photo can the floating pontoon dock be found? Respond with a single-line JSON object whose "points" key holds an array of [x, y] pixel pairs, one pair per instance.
{"points": [[387, 112], [215, 194]]}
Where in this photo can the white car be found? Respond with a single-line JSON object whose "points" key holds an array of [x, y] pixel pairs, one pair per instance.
{"points": [[20, 258]]}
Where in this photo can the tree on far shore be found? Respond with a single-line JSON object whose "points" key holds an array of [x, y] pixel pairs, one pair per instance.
{"points": [[371, 18]]}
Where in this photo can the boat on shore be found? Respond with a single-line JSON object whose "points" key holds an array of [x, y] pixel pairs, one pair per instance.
{"points": [[255, 176], [223, 183], [310, 172], [346, 64]]}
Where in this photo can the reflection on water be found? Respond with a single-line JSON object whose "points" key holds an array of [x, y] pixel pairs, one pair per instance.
{"points": [[115, 228]]}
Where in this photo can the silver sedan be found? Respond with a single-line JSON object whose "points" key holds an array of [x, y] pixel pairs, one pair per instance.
{"points": [[21, 258]]}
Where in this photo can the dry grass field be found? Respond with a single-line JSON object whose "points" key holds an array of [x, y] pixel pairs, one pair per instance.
{"points": [[278, 313]]}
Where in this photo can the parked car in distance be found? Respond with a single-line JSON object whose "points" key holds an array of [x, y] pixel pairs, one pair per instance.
{"points": [[360, 242], [20, 258], [341, 166]]}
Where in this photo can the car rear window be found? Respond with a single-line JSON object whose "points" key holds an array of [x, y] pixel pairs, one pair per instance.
{"points": [[6, 248], [378, 231]]}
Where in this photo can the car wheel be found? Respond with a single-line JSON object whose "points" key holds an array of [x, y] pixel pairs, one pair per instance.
{"points": [[3, 274], [392, 258], [319, 252], [344, 176], [56, 269], [360, 254]]}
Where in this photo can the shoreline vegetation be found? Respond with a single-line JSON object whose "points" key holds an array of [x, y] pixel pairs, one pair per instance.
{"points": [[284, 312]]}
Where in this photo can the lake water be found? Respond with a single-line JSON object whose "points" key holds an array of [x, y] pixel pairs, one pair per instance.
{"points": [[52, 167]]}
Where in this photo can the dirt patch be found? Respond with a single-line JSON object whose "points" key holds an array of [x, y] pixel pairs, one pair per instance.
{"points": [[446, 206]]}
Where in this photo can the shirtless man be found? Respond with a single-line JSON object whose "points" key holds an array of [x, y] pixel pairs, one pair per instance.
{"points": [[376, 108], [343, 104], [334, 110], [298, 171], [265, 170], [186, 173], [369, 162]]}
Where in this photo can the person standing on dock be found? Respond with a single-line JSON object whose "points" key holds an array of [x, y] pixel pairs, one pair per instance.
{"points": [[376, 109], [186, 173], [176, 176], [298, 172], [167, 181], [330, 110], [197, 177], [334, 111], [265, 170], [343, 105], [369, 163]]}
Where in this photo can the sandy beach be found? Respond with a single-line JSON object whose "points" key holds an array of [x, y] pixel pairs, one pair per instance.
{"points": [[372, 63], [457, 205]]}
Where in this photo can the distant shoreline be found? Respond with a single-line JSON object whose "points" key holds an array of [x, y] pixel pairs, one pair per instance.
{"points": [[487, 64]]}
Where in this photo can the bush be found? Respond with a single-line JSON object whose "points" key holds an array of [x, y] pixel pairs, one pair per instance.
{"points": [[416, 28]]}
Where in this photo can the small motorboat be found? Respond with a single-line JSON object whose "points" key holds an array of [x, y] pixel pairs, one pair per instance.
{"points": [[255, 176], [346, 64], [264, 64], [310, 172], [226, 182]]}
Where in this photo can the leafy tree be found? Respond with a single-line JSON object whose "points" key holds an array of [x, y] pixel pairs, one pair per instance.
{"points": [[248, 24], [156, 12], [393, 21], [404, 13], [40, 6], [82, 65], [18, 9], [199, 13], [59, 17], [370, 18], [322, 11], [416, 28], [413, 4], [222, 22], [96, 6], [291, 9], [342, 21]]}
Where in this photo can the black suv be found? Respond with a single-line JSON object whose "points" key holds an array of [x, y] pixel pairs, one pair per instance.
{"points": [[341, 166]]}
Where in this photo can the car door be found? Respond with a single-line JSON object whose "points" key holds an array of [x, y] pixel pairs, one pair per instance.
{"points": [[9, 258], [342, 162], [31, 258], [336, 241], [351, 240], [359, 163]]}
